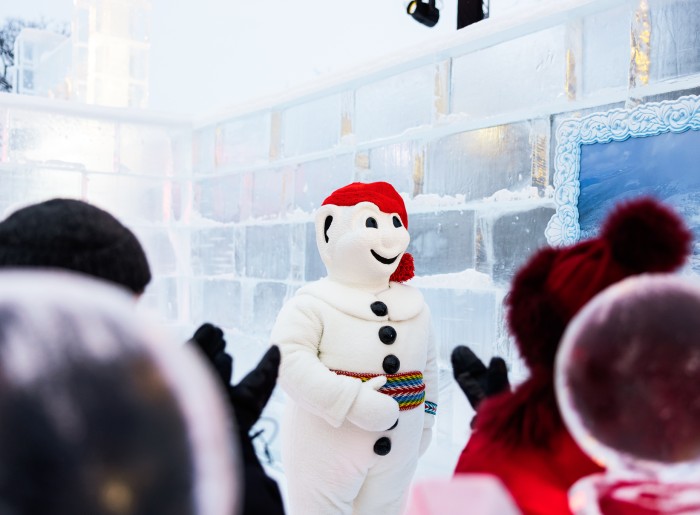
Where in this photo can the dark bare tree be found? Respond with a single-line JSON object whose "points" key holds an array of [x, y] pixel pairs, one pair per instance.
{"points": [[8, 33]]}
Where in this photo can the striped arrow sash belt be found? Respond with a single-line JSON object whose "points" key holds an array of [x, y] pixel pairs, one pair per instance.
{"points": [[408, 388]]}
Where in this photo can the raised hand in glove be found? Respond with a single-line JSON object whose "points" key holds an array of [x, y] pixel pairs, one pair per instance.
{"points": [[251, 394], [210, 340], [248, 398], [476, 381]]}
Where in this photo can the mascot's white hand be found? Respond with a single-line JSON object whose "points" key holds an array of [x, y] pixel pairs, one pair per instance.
{"points": [[425, 440], [371, 410]]}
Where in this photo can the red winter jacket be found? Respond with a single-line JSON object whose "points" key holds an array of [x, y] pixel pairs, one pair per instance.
{"points": [[520, 438]]}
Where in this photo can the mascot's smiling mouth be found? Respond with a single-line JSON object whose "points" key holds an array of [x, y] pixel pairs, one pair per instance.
{"points": [[383, 260]]}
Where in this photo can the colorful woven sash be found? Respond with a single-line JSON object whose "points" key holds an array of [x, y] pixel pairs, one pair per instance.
{"points": [[408, 389]]}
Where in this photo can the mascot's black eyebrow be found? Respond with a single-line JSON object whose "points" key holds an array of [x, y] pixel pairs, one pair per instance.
{"points": [[326, 225]]}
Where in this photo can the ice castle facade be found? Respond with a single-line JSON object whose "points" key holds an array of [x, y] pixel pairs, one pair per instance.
{"points": [[463, 128]]}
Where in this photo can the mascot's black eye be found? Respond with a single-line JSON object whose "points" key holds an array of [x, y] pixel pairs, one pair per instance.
{"points": [[397, 222], [371, 222]]}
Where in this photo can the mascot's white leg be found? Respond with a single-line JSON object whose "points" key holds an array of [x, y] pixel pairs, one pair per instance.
{"points": [[324, 467], [386, 486]]}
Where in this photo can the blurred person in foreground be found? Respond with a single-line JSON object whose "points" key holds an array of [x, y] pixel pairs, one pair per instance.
{"points": [[74, 235], [519, 435], [627, 385], [98, 415]]}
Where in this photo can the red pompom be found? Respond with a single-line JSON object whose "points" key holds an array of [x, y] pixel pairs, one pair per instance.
{"points": [[405, 270], [647, 236], [534, 313]]}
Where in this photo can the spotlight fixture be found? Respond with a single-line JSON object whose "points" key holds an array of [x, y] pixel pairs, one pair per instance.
{"points": [[425, 13], [468, 12]]}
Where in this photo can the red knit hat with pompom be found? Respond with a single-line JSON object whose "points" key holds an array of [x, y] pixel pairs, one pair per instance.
{"points": [[387, 199], [639, 236]]}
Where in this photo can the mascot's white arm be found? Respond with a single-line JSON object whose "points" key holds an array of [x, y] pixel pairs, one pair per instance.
{"points": [[313, 386], [430, 377]]}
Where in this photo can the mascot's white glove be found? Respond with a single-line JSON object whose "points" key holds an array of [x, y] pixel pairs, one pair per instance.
{"points": [[371, 410], [427, 436]]}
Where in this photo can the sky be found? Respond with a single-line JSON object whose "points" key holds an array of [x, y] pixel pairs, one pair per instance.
{"points": [[215, 54]]}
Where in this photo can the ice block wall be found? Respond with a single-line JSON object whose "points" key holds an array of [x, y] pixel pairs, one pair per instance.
{"points": [[133, 164], [462, 128]]}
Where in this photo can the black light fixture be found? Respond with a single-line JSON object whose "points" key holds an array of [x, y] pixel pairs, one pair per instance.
{"points": [[425, 13], [468, 12]]}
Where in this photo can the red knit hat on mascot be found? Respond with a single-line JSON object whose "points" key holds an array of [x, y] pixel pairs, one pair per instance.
{"points": [[639, 236], [387, 199]]}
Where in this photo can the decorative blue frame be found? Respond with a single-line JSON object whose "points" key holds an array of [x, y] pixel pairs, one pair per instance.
{"points": [[649, 119]]}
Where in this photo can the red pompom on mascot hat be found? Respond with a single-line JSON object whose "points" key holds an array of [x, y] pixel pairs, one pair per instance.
{"points": [[387, 199]]}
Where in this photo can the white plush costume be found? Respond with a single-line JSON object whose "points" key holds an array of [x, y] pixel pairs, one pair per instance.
{"points": [[346, 447]]}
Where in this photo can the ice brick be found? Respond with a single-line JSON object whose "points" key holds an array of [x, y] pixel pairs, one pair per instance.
{"points": [[297, 255], [23, 185], [213, 250], [311, 126], [267, 301], [390, 106], [70, 141], [509, 238], [131, 198], [464, 317], [478, 163], [217, 301], [146, 149], [675, 39], [243, 141], [218, 198], [606, 50], [273, 192], [517, 74], [203, 150], [267, 251], [181, 141], [315, 180], [442, 242], [400, 164]]}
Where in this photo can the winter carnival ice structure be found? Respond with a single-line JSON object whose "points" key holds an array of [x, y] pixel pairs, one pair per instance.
{"points": [[465, 129]]}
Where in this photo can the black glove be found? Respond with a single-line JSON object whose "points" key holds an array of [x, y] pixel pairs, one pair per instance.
{"points": [[250, 396], [476, 381], [248, 399], [209, 339]]}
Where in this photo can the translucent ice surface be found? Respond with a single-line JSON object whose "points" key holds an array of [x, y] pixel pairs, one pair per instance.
{"points": [[311, 126], [535, 75], [478, 163], [390, 106]]}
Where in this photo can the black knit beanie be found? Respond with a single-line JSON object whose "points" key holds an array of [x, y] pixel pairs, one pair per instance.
{"points": [[74, 235]]}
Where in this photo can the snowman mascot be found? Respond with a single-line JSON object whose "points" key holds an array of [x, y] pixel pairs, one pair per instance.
{"points": [[358, 363]]}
